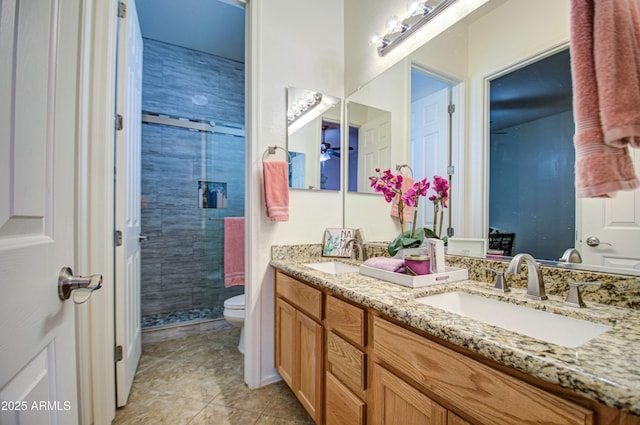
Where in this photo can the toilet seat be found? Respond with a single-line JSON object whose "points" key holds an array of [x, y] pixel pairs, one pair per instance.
{"points": [[235, 303]]}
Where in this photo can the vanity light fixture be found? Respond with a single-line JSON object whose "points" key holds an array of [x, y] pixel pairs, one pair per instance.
{"points": [[302, 106], [419, 13]]}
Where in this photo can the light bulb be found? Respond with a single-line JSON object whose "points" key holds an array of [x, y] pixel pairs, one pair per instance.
{"points": [[393, 25], [414, 6], [375, 40]]}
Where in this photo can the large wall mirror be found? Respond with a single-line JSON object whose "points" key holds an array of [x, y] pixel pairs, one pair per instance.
{"points": [[313, 139], [509, 58]]}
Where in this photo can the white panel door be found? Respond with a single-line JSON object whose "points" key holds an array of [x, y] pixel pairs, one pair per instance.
{"points": [[374, 149], [127, 296], [430, 145], [39, 82], [616, 223]]}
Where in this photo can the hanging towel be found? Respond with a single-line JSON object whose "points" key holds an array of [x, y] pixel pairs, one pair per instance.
{"points": [[233, 251], [617, 60], [605, 43], [276, 189], [407, 183]]}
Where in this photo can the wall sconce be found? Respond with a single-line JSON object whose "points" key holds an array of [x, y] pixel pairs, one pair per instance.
{"points": [[302, 106], [419, 13]]}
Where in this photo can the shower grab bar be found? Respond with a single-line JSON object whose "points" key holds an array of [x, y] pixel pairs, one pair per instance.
{"points": [[192, 124]]}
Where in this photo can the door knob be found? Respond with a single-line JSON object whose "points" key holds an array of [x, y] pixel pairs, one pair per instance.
{"points": [[68, 282], [143, 237], [595, 241]]}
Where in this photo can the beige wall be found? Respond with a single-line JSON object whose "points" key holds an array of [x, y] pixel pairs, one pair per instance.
{"points": [[296, 43]]}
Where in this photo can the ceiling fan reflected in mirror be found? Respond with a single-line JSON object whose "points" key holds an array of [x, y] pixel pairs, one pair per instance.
{"points": [[326, 150]]}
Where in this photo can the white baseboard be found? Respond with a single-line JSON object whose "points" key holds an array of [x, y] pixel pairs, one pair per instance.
{"points": [[271, 379]]}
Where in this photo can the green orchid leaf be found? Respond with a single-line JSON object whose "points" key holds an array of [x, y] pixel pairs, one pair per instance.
{"points": [[406, 241]]}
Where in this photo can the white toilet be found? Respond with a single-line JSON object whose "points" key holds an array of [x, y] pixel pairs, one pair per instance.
{"points": [[234, 314]]}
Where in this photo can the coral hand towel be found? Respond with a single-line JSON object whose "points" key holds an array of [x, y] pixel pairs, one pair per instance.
{"points": [[617, 60], [276, 189], [407, 183], [602, 51], [233, 251]]}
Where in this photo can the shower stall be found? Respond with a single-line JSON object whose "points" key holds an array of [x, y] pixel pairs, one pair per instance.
{"points": [[193, 162]]}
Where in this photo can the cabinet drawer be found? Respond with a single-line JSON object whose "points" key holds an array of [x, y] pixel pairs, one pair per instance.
{"points": [[300, 295], [348, 320], [343, 407], [346, 362], [492, 396]]}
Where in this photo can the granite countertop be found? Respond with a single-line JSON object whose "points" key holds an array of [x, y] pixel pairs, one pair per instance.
{"points": [[605, 369]]}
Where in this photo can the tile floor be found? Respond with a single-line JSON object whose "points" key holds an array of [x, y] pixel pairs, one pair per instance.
{"points": [[199, 380]]}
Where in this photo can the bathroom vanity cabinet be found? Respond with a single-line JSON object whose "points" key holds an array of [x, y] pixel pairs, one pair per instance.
{"points": [[349, 364]]}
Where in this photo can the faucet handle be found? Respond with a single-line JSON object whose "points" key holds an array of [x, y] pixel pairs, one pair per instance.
{"points": [[501, 281], [574, 299]]}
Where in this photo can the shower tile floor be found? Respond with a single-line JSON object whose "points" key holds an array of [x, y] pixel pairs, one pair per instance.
{"points": [[163, 319], [200, 380]]}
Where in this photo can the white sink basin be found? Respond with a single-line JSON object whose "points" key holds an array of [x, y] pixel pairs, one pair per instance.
{"points": [[548, 327], [333, 267]]}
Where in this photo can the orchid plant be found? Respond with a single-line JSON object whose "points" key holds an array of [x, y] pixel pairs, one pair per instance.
{"points": [[390, 185], [439, 199]]}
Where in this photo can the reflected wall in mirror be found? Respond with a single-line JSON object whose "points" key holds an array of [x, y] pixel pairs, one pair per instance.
{"points": [[313, 139], [369, 144], [531, 157]]}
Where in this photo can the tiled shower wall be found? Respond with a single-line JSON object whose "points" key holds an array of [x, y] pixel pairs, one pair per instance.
{"points": [[182, 262]]}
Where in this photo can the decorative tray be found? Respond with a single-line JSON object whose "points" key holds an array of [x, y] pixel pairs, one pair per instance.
{"points": [[451, 274]]}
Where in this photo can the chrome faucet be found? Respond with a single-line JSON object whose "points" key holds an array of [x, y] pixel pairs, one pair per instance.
{"points": [[535, 283], [363, 253], [571, 255]]}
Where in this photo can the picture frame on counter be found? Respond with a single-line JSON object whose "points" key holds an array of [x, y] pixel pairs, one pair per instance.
{"points": [[334, 242]]}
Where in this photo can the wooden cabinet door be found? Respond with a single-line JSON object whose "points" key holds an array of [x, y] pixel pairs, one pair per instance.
{"points": [[397, 403], [308, 378], [285, 341], [342, 406]]}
